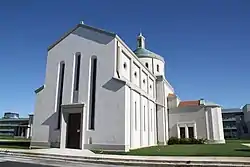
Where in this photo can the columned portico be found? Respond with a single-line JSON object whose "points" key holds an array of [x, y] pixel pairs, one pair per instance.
{"points": [[186, 126], [72, 126]]}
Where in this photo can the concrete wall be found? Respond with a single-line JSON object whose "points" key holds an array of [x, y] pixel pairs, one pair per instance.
{"points": [[162, 91], [149, 61], [189, 114], [152, 65], [135, 120], [140, 102], [207, 122], [110, 93], [161, 67], [215, 127], [246, 111], [41, 132]]}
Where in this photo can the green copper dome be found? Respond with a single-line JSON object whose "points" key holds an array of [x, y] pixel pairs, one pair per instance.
{"points": [[144, 53]]}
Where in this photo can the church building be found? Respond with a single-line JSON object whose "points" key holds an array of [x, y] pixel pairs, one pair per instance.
{"points": [[99, 94]]}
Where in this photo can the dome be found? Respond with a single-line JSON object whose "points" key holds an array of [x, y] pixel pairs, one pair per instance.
{"points": [[144, 53]]}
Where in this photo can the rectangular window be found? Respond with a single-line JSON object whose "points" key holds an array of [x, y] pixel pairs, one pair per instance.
{"points": [[191, 132], [60, 93], [144, 120], [135, 117], [76, 78], [92, 93], [77, 72], [182, 132]]}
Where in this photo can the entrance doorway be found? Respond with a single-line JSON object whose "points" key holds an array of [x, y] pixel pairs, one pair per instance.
{"points": [[74, 130]]}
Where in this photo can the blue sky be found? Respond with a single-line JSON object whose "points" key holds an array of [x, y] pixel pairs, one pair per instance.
{"points": [[206, 44]]}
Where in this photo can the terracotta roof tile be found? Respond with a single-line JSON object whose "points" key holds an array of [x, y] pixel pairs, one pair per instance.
{"points": [[171, 94], [189, 103]]}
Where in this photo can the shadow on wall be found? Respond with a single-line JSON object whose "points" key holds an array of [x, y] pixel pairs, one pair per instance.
{"points": [[113, 85], [54, 134], [96, 36], [173, 131]]}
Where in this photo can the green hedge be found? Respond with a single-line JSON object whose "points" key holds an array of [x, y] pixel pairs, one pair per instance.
{"points": [[175, 140]]}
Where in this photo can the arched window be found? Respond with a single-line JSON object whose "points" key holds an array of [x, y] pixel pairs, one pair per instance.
{"points": [[146, 64], [157, 67]]}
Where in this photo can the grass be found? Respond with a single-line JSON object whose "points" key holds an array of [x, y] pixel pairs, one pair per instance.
{"points": [[11, 138], [9, 142], [231, 148]]}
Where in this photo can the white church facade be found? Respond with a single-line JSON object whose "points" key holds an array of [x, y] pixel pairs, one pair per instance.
{"points": [[99, 94]]}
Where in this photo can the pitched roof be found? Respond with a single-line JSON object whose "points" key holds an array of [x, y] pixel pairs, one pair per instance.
{"points": [[189, 103], [83, 26]]}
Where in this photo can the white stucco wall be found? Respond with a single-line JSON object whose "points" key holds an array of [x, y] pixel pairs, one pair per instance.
{"points": [[136, 75], [207, 122], [39, 116], [149, 62], [161, 67], [151, 86], [135, 120], [215, 125], [125, 66], [144, 122], [152, 124], [128, 121], [152, 65], [110, 103], [188, 115]]}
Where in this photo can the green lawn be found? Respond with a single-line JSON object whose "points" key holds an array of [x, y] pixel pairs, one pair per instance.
{"points": [[7, 142], [12, 138], [231, 148]]}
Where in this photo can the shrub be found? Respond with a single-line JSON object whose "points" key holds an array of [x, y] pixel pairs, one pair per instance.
{"points": [[185, 141], [175, 140], [202, 141]]}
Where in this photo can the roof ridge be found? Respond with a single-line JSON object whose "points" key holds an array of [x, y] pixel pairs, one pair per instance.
{"points": [[83, 26]]}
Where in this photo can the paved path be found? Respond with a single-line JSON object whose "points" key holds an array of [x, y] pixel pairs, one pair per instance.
{"points": [[10, 161]]}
